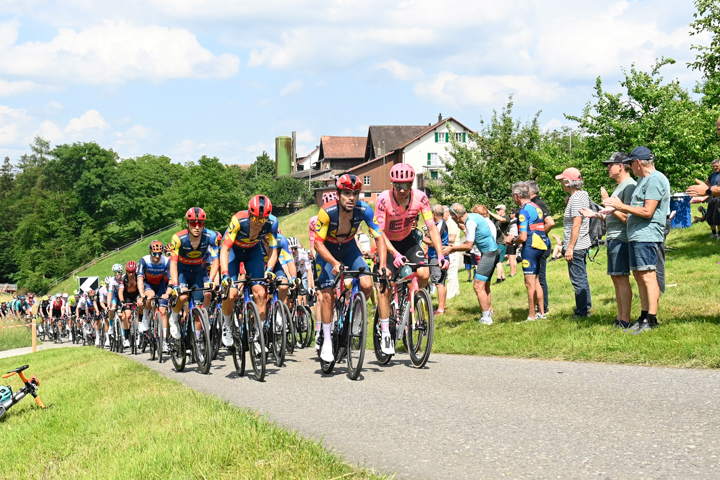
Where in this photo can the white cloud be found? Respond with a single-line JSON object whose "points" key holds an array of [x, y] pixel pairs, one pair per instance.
{"points": [[401, 71], [136, 132], [258, 148], [89, 119], [9, 89], [292, 87], [111, 53], [13, 121], [50, 131]]}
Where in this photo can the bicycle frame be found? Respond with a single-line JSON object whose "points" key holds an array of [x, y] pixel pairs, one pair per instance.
{"points": [[411, 283]]}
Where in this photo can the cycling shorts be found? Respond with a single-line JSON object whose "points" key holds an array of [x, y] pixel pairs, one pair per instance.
{"points": [[56, 313], [188, 278], [130, 297], [73, 309], [160, 289], [486, 265], [407, 247], [346, 253], [251, 257], [531, 259]]}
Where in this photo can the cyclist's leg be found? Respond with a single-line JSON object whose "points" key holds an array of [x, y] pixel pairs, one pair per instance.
{"points": [[149, 294], [183, 281], [197, 281], [235, 257], [280, 275], [255, 266], [327, 303], [414, 253]]}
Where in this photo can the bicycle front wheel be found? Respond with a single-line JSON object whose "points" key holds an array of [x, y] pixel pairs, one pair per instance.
{"points": [[289, 330], [201, 343], [216, 333], [277, 333], [256, 340], [177, 349], [238, 347], [159, 336], [133, 333], [420, 329], [356, 335]]}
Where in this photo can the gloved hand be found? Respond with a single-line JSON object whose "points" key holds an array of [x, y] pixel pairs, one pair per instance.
{"points": [[444, 264], [270, 275], [175, 291], [399, 260], [225, 279], [311, 292]]}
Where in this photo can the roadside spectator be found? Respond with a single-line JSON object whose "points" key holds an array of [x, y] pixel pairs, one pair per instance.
{"points": [[453, 284], [576, 239], [548, 223], [502, 224], [512, 248], [646, 231], [532, 236], [616, 238], [437, 276], [478, 235], [557, 250]]}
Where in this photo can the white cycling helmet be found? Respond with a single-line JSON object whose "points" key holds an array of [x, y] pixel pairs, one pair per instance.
{"points": [[117, 268], [293, 242]]}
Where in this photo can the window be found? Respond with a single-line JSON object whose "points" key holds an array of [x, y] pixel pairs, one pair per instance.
{"points": [[460, 137], [367, 195], [366, 180], [434, 175], [432, 159]]}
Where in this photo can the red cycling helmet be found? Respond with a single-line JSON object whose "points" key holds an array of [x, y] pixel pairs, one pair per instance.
{"points": [[260, 206], [329, 197], [130, 267], [195, 214], [402, 172], [156, 246], [349, 182]]}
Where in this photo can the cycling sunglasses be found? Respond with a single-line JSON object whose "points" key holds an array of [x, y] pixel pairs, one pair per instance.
{"points": [[156, 254], [259, 219], [196, 224], [402, 186]]}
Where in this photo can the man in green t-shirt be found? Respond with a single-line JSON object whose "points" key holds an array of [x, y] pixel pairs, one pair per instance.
{"points": [[647, 213], [616, 239]]}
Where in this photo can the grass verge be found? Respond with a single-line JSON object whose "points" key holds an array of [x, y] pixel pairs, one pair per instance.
{"points": [[114, 418], [11, 338]]}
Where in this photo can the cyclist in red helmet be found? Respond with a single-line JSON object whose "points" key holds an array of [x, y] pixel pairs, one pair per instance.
{"points": [[241, 252], [396, 211], [335, 244], [187, 263], [128, 293]]}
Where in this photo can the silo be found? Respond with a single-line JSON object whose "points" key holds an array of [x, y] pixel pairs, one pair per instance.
{"points": [[283, 148]]}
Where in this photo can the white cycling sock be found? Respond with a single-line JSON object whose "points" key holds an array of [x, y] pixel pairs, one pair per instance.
{"points": [[197, 335], [385, 325], [486, 314], [327, 329], [174, 317], [145, 316], [317, 325], [227, 320]]}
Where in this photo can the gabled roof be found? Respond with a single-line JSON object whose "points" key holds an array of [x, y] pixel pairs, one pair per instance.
{"points": [[365, 164], [391, 135], [430, 129], [342, 147], [300, 160]]}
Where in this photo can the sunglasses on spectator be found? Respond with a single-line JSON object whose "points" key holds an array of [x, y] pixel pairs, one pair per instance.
{"points": [[402, 186], [196, 224], [259, 219]]}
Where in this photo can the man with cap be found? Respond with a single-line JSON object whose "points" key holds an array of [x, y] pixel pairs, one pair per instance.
{"points": [[576, 239], [616, 235], [647, 213], [702, 192]]}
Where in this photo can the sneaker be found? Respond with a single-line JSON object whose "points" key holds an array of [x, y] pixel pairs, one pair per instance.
{"points": [[107, 342], [326, 353], [485, 321], [499, 280], [227, 337], [713, 235], [633, 326], [386, 344], [587, 315], [165, 348], [144, 326], [541, 316], [643, 327], [530, 319], [126, 343], [174, 330], [438, 312]]}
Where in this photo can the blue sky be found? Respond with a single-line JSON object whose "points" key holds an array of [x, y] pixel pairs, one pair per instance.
{"points": [[223, 78]]}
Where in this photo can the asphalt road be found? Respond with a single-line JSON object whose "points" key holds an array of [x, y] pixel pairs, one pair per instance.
{"points": [[474, 417]]}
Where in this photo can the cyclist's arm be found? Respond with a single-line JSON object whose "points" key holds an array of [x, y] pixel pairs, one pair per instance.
{"points": [[469, 239], [214, 270], [174, 257], [141, 285]]}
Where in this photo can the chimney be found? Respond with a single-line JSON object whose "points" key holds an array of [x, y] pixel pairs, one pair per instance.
{"points": [[439, 117]]}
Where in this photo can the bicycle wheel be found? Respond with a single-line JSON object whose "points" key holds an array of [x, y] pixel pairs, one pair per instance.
{"points": [[176, 347], [420, 330], [133, 333], [310, 319], [256, 340], [159, 336], [149, 339], [356, 336], [216, 333], [289, 331], [201, 346], [381, 357], [300, 320], [277, 333], [237, 349], [119, 337], [58, 333]]}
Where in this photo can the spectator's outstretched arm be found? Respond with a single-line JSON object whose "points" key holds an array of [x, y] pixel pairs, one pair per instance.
{"points": [[703, 189]]}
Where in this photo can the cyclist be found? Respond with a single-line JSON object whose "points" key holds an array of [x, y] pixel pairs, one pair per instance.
{"points": [[153, 279], [284, 267], [57, 307], [128, 293], [241, 252], [187, 263], [102, 293], [43, 311], [303, 265], [336, 249], [113, 285], [212, 271]]}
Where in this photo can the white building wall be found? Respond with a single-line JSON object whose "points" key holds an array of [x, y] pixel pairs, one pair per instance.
{"points": [[416, 154], [310, 159]]}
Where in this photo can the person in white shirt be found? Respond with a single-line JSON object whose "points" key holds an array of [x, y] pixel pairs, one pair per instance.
{"points": [[453, 283]]}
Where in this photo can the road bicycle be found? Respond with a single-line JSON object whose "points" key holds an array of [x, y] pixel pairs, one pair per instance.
{"points": [[58, 327], [133, 327], [247, 330], [8, 398], [349, 324], [198, 345], [215, 317], [301, 316], [152, 337], [411, 318], [276, 320]]}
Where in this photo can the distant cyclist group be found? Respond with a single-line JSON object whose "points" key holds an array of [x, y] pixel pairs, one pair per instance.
{"points": [[258, 293]]}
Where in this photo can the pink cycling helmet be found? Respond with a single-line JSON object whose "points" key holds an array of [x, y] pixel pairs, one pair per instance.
{"points": [[402, 172]]}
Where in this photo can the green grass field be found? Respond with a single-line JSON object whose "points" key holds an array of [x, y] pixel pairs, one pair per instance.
{"points": [[11, 338], [296, 225], [114, 418]]}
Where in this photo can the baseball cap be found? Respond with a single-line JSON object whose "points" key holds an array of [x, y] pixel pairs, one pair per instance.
{"points": [[501, 207], [617, 157], [569, 174], [640, 153]]}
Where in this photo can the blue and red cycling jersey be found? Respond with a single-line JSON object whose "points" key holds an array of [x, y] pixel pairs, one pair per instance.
{"points": [[238, 233], [154, 273], [188, 257]]}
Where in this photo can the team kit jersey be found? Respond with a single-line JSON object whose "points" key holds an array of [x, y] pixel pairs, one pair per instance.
{"points": [[190, 260], [155, 274], [342, 245], [284, 255], [531, 221], [396, 221], [245, 249]]}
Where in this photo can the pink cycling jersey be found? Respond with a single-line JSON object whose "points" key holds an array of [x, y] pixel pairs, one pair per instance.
{"points": [[313, 223], [396, 221]]}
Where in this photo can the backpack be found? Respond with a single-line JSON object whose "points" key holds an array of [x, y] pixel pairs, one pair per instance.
{"points": [[597, 229]]}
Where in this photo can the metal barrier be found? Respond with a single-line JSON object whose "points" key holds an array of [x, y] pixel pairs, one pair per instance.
{"points": [[108, 254]]}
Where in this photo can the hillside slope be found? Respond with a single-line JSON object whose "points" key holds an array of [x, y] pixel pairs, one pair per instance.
{"points": [[291, 225]]}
